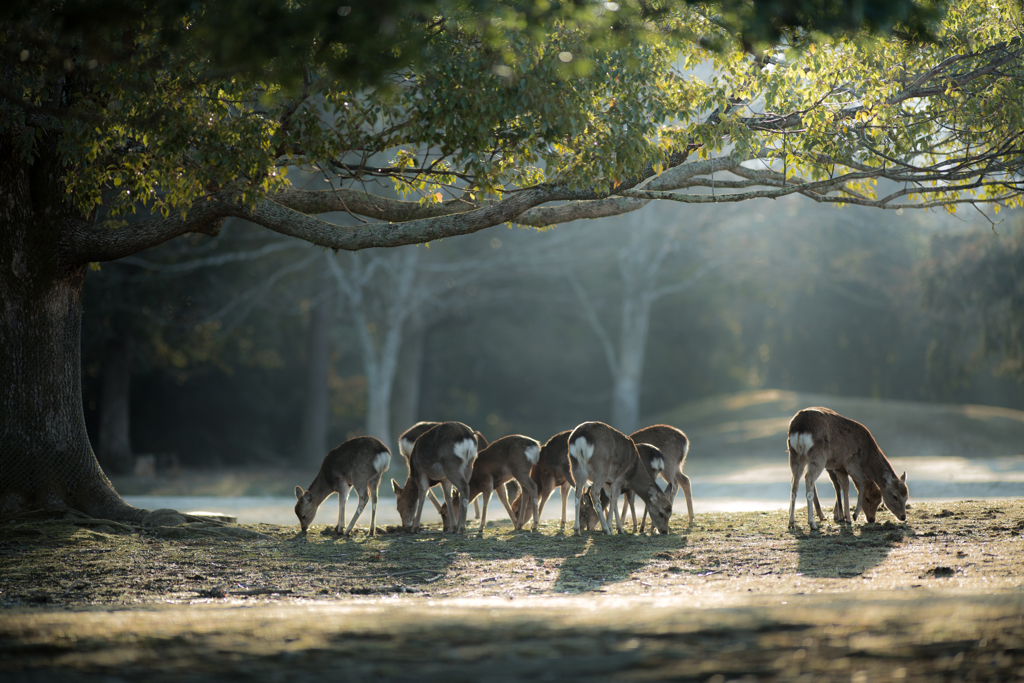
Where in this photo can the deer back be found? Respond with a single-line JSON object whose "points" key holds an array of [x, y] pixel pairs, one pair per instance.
{"points": [[443, 452], [355, 463], [599, 447], [673, 444], [407, 440]]}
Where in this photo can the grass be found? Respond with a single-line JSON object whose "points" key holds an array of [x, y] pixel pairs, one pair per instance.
{"points": [[733, 595]]}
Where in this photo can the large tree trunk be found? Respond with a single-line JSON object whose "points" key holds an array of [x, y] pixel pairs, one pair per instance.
{"points": [[115, 444], [315, 418], [46, 460]]}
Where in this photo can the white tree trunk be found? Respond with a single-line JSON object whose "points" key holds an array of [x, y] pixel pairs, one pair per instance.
{"points": [[380, 340], [628, 379]]}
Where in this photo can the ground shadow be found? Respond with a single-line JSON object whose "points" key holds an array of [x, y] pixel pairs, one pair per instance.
{"points": [[846, 551]]}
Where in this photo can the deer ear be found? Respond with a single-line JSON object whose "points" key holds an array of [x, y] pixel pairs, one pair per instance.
{"points": [[904, 478], [298, 493], [394, 485], [886, 477]]}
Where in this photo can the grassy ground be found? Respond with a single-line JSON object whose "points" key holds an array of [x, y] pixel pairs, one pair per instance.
{"points": [[732, 596]]}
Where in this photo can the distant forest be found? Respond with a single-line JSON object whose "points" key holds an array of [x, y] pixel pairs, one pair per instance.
{"points": [[252, 348]]}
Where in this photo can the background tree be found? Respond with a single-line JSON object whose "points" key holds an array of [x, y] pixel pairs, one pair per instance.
{"points": [[492, 123], [974, 288], [639, 266]]}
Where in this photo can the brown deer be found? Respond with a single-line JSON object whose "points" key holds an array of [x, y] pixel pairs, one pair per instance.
{"points": [[444, 455], [607, 457], [674, 447], [508, 458], [868, 498], [357, 463], [821, 439], [408, 439], [553, 470], [651, 463]]}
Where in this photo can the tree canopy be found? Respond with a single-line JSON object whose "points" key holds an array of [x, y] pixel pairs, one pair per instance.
{"points": [[497, 121]]}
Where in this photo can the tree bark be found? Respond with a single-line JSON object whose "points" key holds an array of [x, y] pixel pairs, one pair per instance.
{"points": [[46, 460], [115, 445], [315, 418]]}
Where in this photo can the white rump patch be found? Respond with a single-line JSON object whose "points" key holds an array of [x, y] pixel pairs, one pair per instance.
{"points": [[381, 461], [466, 449], [405, 447], [801, 442], [582, 450], [657, 464], [532, 454]]}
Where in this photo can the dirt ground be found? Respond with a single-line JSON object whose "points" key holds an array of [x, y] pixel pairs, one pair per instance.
{"points": [[735, 596]]}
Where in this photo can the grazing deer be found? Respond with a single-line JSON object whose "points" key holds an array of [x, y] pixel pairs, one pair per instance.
{"points": [[674, 447], [868, 498], [642, 477], [508, 458], [606, 456], [444, 455], [357, 463], [655, 461], [408, 439], [553, 470], [821, 439]]}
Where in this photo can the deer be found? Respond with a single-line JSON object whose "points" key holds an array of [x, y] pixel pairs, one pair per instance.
{"points": [[606, 456], [653, 462], [674, 446], [445, 455], [509, 458], [553, 470], [357, 463], [408, 439], [820, 439], [868, 498]]}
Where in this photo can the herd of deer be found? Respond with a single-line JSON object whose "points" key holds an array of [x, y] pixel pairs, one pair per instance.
{"points": [[613, 464]]}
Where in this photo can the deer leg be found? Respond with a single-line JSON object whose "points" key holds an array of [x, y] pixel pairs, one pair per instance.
{"points": [[364, 497], [845, 481], [421, 496], [476, 508], [542, 501], [464, 508], [453, 516], [486, 495], [813, 472], [684, 482], [528, 490], [796, 466], [580, 475], [342, 499], [373, 505], [613, 494], [599, 509], [517, 519], [860, 499], [565, 499], [817, 504]]}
